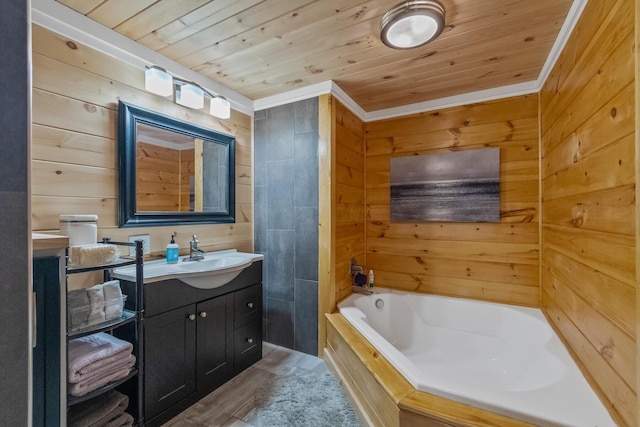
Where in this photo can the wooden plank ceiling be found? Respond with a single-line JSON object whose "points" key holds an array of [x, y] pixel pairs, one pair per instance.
{"points": [[261, 48]]}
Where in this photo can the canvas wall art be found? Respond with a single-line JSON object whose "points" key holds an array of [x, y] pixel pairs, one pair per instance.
{"points": [[459, 186]]}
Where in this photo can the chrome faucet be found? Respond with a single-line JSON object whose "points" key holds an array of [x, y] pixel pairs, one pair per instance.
{"points": [[195, 254]]}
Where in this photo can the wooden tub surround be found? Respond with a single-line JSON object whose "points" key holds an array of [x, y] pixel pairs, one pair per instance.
{"points": [[382, 395]]}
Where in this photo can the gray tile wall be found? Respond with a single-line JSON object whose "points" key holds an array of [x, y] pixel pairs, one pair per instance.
{"points": [[286, 221], [15, 89]]}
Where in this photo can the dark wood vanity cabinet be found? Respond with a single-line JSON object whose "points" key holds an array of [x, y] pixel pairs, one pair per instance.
{"points": [[210, 337], [170, 359], [214, 336]]}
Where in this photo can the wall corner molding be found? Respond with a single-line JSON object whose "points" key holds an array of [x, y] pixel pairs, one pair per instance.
{"points": [[573, 16]]}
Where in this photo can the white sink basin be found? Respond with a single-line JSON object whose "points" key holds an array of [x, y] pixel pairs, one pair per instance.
{"points": [[216, 269]]}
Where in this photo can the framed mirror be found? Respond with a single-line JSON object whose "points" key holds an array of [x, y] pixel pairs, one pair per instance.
{"points": [[172, 172]]}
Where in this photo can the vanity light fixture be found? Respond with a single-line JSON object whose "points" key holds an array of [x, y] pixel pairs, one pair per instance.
{"points": [[190, 96], [412, 23], [220, 107], [158, 81]]}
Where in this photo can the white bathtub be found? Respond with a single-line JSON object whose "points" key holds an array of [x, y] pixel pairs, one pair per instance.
{"points": [[497, 357]]}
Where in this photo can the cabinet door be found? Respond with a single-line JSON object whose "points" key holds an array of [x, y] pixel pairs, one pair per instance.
{"points": [[170, 359], [215, 345]]}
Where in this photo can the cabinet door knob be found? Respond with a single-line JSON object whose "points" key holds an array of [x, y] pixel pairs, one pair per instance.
{"points": [[250, 304], [192, 317], [203, 314], [250, 340]]}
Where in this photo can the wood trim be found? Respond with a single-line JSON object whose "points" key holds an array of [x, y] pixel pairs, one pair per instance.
{"points": [[340, 373], [48, 241], [199, 170], [326, 212], [637, 193], [540, 228]]}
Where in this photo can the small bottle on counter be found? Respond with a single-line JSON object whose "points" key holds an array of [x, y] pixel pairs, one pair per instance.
{"points": [[172, 251], [370, 279]]}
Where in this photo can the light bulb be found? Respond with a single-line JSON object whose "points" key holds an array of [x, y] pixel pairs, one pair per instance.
{"points": [[220, 107], [158, 81], [190, 96], [412, 31]]}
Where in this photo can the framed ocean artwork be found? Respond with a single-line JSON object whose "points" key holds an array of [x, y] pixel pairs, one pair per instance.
{"points": [[458, 186]]}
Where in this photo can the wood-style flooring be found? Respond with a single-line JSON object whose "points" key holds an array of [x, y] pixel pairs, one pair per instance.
{"points": [[233, 404]]}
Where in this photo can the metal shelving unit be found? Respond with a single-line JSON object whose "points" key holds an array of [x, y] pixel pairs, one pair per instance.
{"points": [[133, 317]]}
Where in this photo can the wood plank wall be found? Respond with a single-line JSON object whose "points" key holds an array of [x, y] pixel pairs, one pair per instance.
{"points": [[637, 197], [158, 178], [490, 261], [74, 164], [349, 196], [326, 215], [588, 211]]}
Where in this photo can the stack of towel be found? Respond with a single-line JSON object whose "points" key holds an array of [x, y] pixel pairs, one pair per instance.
{"points": [[92, 255], [106, 410], [95, 305], [96, 360]]}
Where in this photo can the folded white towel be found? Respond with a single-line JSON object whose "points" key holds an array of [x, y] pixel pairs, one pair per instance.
{"points": [[112, 299], [78, 308], [92, 255], [96, 305], [84, 351]]}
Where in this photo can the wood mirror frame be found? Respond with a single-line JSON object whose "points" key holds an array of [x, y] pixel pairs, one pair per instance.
{"points": [[129, 117]]}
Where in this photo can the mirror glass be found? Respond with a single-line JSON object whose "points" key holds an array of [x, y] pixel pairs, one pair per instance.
{"points": [[173, 172]]}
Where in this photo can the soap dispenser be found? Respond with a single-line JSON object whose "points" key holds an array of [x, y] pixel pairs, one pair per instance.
{"points": [[172, 251]]}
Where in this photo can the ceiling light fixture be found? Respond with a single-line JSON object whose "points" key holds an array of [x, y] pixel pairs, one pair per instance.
{"points": [[160, 82], [412, 23]]}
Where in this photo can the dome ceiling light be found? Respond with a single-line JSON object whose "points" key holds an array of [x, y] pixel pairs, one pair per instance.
{"points": [[412, 23]]}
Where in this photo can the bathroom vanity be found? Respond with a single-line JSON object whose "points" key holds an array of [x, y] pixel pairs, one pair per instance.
{"points": [[196, 337]]}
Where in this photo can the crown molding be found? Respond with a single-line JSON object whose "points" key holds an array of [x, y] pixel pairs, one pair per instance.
{"points": [[311, 91], [332, 88], [454, 101], [64, 20], [348, 102], [533, 86], [574, 14], [295, 95]]}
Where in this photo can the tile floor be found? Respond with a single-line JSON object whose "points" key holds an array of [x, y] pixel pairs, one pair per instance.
{"points": [[233, 404]]}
